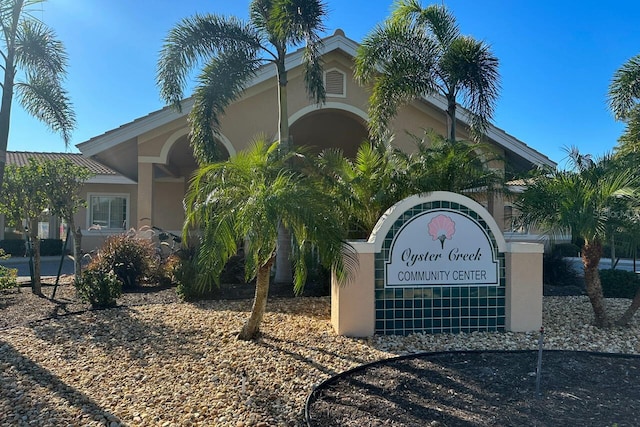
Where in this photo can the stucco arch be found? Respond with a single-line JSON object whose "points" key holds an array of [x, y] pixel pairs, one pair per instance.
{"points": [[332, 125], [162, 158]]}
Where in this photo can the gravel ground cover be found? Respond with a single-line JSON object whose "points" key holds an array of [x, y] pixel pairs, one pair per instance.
{"points": [[179, 364]]}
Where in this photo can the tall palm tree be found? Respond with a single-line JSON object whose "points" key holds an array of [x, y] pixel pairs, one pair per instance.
{"points": [[624, 102], [34, 66], [245, 199], [232, 51], [420, 51], [580, 202]]}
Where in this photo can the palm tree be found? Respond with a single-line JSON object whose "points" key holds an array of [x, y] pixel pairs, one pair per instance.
{"points": [[580, 202], [232, 51], [381, 176], [420, 51], [440, 164], [28, 45], [623, 100], [245, 199], [365, 186]]}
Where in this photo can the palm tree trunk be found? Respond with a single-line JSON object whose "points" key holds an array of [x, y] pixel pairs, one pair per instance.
{"points": [[284, 270], [451, 118], [591, 253], [5, 115], [630, 311], [7, 84], [252, 326]]}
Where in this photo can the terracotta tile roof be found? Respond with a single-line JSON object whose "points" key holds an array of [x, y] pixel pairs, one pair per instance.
{"points": [[21, 158]]}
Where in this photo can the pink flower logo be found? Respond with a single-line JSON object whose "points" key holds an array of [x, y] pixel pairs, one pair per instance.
{"points": [[442, 228]]}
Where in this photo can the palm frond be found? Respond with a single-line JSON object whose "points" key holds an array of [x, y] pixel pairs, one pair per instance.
{"points": [[197, 40], [44, 98], [39, 51], [221, 82], [624, 90], [472, 71]]}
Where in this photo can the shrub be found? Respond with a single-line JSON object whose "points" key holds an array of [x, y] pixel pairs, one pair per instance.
{"points": [[8, 276], [51, 247], [619, 283], [558, 271], [14, 247], [566, 249], [99, 288], [186, 273], [48, 247], [130, 258]]}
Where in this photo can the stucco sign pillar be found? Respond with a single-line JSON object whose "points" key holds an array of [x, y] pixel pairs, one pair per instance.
{"points": [[439, 263]]}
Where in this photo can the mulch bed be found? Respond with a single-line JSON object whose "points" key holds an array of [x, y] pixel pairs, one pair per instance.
{"points": [[484, 389]]}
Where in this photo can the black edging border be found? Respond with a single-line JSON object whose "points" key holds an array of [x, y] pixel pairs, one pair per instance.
{"points": [[324, 384]]}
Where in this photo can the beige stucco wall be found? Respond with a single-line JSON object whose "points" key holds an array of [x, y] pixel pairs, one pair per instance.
{"points": [[523, 302], [353, 303]]}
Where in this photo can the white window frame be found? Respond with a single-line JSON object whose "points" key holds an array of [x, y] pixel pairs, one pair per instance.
{"points": [[125, 196]]}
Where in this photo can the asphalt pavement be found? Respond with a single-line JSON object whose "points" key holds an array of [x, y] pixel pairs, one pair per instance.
{"points": [[48, 265]]}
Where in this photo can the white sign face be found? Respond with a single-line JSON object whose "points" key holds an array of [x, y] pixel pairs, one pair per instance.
{"points": [[441, 247]]}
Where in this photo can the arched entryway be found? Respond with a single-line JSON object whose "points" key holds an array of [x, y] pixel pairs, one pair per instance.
{"points": [[330, 127]]}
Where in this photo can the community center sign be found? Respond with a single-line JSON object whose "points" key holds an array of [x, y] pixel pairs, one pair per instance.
{"points": [[441, 247]]}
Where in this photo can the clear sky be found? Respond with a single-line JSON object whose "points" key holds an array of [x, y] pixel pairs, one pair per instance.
{"points": [[556, 61]]}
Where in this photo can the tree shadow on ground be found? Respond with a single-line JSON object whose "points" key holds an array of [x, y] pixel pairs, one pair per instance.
{"points": [[18, 368]]}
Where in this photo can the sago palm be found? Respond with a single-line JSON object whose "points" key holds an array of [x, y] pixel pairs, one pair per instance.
{"points": [[231, 51], [365, 186], [420, 51], [580, 202], [34, 66], [440, 164], [244, 200]]}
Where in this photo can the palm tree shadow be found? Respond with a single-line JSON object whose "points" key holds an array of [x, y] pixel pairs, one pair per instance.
{"points": [[22, 367], [118, 329]]}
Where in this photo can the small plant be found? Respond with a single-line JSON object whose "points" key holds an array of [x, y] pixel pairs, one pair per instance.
{"points": [[130, 258], [619, 283], [99, 288], [8, 276], [185, 273]]}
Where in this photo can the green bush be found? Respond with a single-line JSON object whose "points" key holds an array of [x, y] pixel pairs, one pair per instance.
{"points": [[557, 271], [99, 288], [13, 247], [566, 249], [130, 258], [186, 273], [619, 283], [8, 276], [48, 247], [51, 247]]}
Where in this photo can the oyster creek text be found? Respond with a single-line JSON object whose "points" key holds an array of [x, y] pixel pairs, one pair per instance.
{"points": [[410, 258]]}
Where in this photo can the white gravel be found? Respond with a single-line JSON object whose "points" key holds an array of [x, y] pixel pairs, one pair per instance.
{"points": [[180, 364]]}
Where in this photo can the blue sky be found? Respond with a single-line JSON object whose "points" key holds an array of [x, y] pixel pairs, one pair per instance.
{"points": [[556, 61]]}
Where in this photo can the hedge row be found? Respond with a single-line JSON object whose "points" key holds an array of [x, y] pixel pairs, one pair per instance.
{"points": [[16, 247]]}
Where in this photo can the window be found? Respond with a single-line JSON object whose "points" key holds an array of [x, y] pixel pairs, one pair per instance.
{"points": [[108, 211]]}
